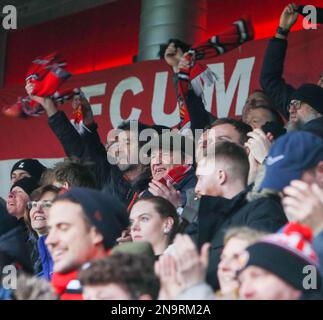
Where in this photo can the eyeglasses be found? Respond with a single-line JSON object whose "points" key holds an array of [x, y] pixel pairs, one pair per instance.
{"points": [[45, 204], [297, 104]]}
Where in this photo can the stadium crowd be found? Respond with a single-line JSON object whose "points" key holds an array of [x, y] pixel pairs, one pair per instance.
{"points": [[230, 209]]}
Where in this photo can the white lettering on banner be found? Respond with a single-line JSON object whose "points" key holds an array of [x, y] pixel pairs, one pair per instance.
{"points": [[132, 83], [93, 91], [158, 103], [240, 80]]}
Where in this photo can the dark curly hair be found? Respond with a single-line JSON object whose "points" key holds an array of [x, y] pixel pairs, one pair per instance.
{"points": [[133, 272], [178, 44]]}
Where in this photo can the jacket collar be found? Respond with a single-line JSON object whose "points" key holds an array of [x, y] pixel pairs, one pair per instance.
{"points": [[66, 282], [221, 204], [213, 211]]}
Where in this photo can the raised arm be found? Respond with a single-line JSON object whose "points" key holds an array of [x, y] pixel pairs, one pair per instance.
{"points": [[271, 76], [88, 146]]}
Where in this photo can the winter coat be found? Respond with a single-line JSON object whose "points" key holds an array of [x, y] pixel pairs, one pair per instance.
{"points": [[271, 76], [88, 147], [216, 215], [45, 258]]}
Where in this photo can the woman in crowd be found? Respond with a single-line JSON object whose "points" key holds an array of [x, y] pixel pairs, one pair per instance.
{"points": [[155, 220], [36, 220], [281, 266], [41, 200], [236, 240]]}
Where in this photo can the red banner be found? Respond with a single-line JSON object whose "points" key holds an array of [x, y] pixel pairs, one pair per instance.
{"points": [[145, 91]]}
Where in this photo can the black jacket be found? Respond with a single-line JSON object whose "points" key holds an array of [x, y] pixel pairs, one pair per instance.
{"points": [[13, 241], [217, 214], [199, 116], [13, 244], [89, 147], [271, 76]]}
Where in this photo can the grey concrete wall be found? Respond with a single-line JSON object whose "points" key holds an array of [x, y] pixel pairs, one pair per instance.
{"points": [[161, 20]]}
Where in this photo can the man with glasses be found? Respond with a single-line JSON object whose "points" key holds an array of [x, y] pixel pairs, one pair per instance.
{"points": [[306, 106], [271, 77]]}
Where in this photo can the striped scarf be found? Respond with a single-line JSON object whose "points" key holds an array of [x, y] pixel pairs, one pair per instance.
{"points": [[197, 75]]}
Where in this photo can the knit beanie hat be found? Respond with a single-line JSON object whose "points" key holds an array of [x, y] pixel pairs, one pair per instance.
{"points": [[139, 247], [28, 184], [285, 254], [32, 166], [106, 213], [310, 93]]}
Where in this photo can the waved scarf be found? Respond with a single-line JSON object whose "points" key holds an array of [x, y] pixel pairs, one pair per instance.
{"points": [[197, 75], [47, 74]]}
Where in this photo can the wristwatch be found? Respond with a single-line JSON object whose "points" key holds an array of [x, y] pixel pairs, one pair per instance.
{"points": [[282, 31]]}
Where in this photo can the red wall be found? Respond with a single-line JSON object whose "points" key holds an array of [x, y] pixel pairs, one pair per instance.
{"points": [[265, 14], [91, 40], [108, 35]]}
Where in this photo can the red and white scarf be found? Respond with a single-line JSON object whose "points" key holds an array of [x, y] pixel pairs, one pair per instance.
{"points": [[198, 75]]}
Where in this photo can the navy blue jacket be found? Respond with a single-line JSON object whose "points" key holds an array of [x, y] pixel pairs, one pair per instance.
{"points": [[45, 258]]}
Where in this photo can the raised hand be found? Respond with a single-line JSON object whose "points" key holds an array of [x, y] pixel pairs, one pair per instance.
{"points": [[258, 144], [191, 265], [172, 56], [166, 270], [304, 203], [289, 16], [46, 103], [167, 192]]}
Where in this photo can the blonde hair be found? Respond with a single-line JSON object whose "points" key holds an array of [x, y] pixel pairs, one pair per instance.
{"points": [[244, 233]]}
